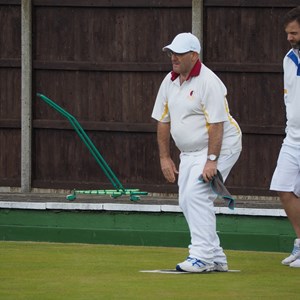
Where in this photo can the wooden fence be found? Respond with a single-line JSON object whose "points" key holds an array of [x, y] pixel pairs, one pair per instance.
{"points": [[102, 62]]}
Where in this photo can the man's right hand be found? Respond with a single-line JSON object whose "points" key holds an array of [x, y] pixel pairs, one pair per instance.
{"points": [[169, 169]]}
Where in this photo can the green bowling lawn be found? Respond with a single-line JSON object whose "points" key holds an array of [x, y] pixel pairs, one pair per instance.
{"points": [[42, 271]]}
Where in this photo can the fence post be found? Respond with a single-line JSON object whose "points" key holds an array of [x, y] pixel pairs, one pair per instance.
{"points": [[26, 95], [197, 22]]}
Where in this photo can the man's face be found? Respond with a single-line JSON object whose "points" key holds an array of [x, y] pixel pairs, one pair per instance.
{"points": [[183, 63], [293, 34]]}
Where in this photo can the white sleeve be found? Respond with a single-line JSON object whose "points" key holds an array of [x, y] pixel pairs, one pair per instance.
{"points": [[161, 111], [285, 91], [214, 100]]}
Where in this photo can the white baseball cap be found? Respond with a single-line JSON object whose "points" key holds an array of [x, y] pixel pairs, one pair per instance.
{"points": [[184, 42]]}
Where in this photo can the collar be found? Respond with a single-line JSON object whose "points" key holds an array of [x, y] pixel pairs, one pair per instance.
{"points": [[297, 52], [293, 56], [194, 72]]}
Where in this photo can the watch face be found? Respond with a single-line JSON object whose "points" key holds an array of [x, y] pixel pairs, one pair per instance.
{"points": [[212, 157]]}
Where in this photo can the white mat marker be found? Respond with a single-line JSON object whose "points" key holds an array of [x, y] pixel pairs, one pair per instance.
{"points": [[173, 271]]}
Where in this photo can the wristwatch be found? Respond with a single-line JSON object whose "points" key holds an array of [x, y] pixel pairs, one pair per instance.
{"points": [[212, 157]]}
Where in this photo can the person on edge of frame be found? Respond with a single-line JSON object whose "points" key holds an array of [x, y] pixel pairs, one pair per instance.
{"points": [[286, 177], [191, 106]]}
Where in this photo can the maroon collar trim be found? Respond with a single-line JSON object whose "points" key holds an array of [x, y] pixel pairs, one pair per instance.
{"points": [[194, 72]]}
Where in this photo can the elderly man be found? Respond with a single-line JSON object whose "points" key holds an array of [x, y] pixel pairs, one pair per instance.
{"points": [[191, 106]]}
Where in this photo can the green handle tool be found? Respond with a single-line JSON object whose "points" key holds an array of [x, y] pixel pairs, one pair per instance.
{"points": [[119, 189]]}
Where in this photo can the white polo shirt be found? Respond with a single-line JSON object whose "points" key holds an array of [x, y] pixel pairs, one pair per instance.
{"points": [[192, 106], [291, 67]]}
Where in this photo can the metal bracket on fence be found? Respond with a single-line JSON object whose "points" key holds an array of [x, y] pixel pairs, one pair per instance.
{"points": [[119, 189]]}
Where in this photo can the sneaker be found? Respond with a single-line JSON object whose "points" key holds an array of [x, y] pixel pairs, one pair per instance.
{"points": [[294, 255], [295, 263], [194, 265], [220, 267]]}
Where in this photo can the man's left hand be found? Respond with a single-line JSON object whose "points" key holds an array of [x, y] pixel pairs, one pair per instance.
{"points": [[209, 171]]}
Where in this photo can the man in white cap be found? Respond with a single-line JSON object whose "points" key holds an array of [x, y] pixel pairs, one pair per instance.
{"points": [[191, 106]]}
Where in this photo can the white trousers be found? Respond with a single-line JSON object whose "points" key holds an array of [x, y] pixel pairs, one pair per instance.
{"points": [[196, 199], [286, 177]]}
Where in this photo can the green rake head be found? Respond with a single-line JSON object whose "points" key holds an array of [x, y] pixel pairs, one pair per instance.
{"points": [[133, 193], [71, 197]]}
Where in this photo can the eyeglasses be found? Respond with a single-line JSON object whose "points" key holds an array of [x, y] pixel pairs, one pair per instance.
{"points": [[170, 53]]}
